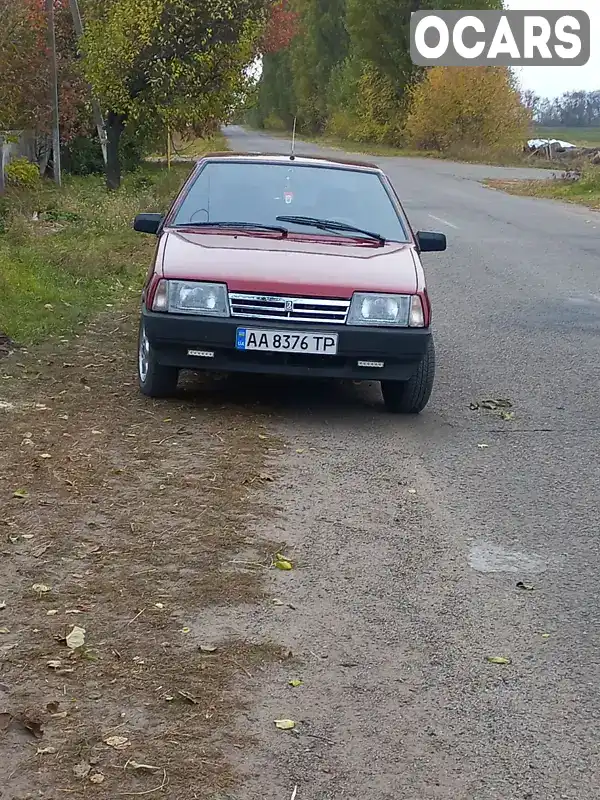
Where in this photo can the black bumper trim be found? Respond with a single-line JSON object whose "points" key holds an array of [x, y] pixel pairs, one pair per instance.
{"points": [[171, 336]]}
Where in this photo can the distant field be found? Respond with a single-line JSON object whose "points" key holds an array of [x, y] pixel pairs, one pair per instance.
{"points": [[586, 137]]}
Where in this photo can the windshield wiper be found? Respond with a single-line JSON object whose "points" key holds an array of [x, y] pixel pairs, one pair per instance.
{"points": [[331, 225], [246, 226]]}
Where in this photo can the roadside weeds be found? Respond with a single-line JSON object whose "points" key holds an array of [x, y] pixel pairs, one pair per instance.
{"points": [[585, 191]]}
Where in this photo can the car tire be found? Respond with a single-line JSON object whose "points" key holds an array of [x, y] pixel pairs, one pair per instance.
{"points": [[154, 379], [411, 397]]}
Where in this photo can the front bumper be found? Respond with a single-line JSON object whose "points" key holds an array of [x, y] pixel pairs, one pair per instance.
{"points": [[171, 336]]}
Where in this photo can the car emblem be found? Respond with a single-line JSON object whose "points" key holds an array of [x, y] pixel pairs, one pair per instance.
{"points": [[289, 306]]}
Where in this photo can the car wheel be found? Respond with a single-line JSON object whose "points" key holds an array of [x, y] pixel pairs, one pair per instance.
{"points": [[411, 397], [155, 380]]}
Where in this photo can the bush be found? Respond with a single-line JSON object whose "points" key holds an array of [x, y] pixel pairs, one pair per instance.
{"points": [[363, 105], [83, 154], [461, 108], [274, 123], [22, 174]]}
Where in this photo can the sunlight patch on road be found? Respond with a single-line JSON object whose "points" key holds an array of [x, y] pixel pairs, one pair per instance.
{"points": [[487, 557]]}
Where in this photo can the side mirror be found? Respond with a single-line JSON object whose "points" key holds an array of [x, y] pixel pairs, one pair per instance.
{"points": [[430, 242], [147, 223]]}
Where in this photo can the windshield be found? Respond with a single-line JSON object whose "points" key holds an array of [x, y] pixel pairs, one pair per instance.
{"points": [[255, 192]]}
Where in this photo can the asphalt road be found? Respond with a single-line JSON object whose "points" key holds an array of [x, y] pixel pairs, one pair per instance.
{"points": [[410, 536]]}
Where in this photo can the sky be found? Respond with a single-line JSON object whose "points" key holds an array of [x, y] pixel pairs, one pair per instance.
{"points": [[553, 81]]}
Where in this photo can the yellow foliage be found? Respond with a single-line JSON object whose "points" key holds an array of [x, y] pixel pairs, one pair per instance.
{"points": [[476, 108], [374, 116]]}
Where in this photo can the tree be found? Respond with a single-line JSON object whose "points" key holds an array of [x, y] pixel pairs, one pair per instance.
{"points": [[321, 44], [380, 32], [280, 28], [172, 63], [467, 107], [25, 74]]}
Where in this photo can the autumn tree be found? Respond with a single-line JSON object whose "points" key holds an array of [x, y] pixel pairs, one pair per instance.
{"points": [[472, 108], [24, 69], [167, 62]]}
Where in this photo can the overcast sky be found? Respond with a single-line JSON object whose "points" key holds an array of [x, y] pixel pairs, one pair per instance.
{"points": [[553, 81]]}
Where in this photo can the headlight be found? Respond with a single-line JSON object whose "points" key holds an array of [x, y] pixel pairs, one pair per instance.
{"points": [[400, 310], [192, 297]]}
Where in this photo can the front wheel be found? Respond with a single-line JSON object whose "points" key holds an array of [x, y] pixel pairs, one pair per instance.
{"points": [[411, 396], [155, 380]]}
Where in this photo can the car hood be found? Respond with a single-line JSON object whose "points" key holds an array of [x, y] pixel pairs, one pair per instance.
{"points": [[291, 266]]}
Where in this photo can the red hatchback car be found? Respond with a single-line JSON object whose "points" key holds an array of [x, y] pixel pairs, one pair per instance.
{"points": [[292, 266]]}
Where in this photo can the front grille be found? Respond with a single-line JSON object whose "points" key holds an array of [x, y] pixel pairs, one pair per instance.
{"points": [[294, 309]]}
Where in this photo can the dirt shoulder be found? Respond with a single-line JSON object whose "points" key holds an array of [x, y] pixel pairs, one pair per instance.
{"points": [[130, 519]]}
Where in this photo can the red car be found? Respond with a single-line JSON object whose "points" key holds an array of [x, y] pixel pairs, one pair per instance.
{"points": [[288, 265]]}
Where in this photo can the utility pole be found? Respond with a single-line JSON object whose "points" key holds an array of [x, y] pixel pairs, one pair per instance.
{"points": [[98, 120], [54, 93]]}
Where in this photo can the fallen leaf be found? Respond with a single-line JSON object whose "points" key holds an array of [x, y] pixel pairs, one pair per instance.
{"points": [[45, 751], [82, 770], [27, 536], [264, 476], [300, 450], [97, 777], [498, 660], [45, 455], [507, 415], [482, 446], [158, 605], [54, 664], [2, 605], [185, 630], [277, 602], [295, 683], [142, 767], [60, 715], [21, 494], [76, 638], [41, 588], [39, 551], [4, 630], [527, 587], [285, 724], [282, 562], [545, 635], [207, 648], [412, 491], [118, 742], [52, 613], [262, 436]]}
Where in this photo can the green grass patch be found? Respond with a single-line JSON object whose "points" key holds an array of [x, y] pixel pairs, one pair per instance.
{"points": [[67, 253], [585, 191], [582, 137]]}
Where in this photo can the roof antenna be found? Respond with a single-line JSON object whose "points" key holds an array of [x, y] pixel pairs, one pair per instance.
{"points": [[292, 156]]}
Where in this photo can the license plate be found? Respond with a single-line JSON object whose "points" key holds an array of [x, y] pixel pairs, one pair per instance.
{"points": [[324, 344]]}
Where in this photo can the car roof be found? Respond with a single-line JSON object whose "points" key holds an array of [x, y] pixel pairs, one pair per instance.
{"points": [[278, 158]]}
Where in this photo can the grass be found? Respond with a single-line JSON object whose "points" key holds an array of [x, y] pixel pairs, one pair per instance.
{"points": [[582, 137], [585, 191], [80, 254]]}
